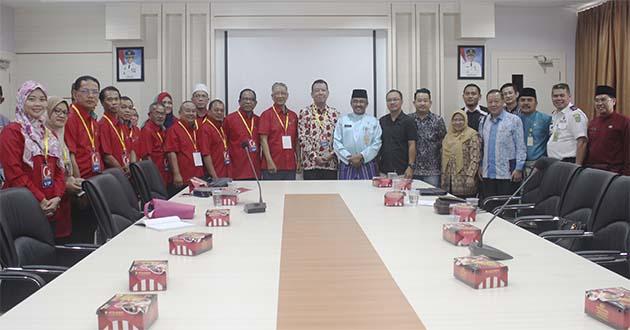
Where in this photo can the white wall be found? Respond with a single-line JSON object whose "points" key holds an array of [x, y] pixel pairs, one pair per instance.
{"points": [[7, 49]]}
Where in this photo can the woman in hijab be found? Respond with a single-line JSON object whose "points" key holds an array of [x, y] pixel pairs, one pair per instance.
{"points": [[32, 158], [58, 110], [167, 100], [461, 155]]}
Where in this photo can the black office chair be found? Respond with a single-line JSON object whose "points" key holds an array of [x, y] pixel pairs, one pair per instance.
{"points": [[544, 198], [576, 210], [27, 246], [148, 180], [113, 211], [125, 184], [606, 240]]}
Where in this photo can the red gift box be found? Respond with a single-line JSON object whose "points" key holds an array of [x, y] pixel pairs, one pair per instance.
{"points": [[381, 182], [148, 275], [190, 244], [464, 212], [218, 217], [196, 182], [461, 234], [394, 198], [480, 272], [128, 311], [610, 306], [402, 184]]}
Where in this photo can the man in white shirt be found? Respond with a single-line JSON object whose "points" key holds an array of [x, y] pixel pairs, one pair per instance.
{"points": [[470, 68], [357, 140], [569, 128], [130, 69]]}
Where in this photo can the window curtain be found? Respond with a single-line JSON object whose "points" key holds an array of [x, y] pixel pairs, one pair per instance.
{"points": [[602, 54]]}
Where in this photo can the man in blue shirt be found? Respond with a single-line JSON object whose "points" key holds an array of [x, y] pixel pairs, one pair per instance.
{"points": [[357, 140], [503, 148], [535, 127]]}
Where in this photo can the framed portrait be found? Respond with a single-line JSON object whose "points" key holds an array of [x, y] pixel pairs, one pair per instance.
{"points": [[130, 63], [471, 63]]}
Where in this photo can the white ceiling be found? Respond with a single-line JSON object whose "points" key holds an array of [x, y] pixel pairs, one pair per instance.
{"points": [[529, 3]]}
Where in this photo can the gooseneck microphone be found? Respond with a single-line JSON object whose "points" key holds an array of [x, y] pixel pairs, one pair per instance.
{"points": [[478, 248], [259, 207]]}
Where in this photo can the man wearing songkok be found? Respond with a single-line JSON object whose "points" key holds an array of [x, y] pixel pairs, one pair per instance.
{"points": [[430, 131], [357, 140], [278, 137], [213, 142], [182, 147], [535, 127], [568, 127], [241, 128], [152, 139], [315, 133], [608, 134]]}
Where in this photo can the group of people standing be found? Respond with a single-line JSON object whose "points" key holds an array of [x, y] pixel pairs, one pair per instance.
{"points": [[52, 146]]}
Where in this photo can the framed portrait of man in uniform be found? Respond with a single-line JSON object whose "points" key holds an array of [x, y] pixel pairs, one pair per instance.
{"points": [[130, 63], [471, 63]]}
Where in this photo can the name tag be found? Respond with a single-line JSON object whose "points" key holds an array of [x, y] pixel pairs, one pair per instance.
{"points": [[530, 141], [47, 180], [197, 159], [286, 142], [96, 163]]}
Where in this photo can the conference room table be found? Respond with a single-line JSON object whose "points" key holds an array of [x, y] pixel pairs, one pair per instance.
{"points": [[238, 284]]}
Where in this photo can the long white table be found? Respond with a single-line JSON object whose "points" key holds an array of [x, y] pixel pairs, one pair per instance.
{"points": [[235, 285]]}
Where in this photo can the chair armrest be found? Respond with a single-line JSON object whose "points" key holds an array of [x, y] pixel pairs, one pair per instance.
{"points": [[499, 199], [25, 276], [69, 255], [589, 253], [47, 272], [514, 207], [555, 234], [535, 218]]}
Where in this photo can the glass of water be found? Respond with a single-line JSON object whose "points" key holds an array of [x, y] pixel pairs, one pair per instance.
{"points": [[414, 197]]}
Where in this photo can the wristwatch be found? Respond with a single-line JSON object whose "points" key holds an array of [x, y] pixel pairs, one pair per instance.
{"points": [[412, 166]]}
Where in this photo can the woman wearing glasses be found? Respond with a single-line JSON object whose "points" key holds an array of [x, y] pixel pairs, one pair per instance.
{"points": [[31, 156]]}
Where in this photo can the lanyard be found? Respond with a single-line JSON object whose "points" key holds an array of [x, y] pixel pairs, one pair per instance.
{"points": [[193, 141], [285, 127], [316, 116], [159, 136], [250, 130], [89, 133], [45, 144], [121, 135], [221, 133]]}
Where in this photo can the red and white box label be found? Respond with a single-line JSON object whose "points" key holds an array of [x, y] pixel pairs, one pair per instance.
{"points": [[402, 184], [218, 217], [463, 212], [196, 182], [148, 275], [128, 311], [460, 233], [381, 182], [480, 272], [394, 198], [610, 306], [190, 244]]}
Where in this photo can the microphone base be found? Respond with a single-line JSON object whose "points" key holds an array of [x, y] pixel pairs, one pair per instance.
{"points": [[255, 207], [488, 251]]}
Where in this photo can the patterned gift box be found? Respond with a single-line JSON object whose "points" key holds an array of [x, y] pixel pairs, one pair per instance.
{"points": [[381, 182], [148, 275], [128, 311], [480, 272], [218, 217], [460, 233], [190, 244], [402, 184], [394, 198], [196, 182], [463, 212], [610, 306]]}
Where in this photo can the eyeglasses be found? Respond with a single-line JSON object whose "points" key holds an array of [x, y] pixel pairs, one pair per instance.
{"points": [[60, 112], [88, 91]]}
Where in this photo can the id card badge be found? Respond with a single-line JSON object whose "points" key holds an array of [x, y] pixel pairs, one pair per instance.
{"points": [[197, 159], [286, 142], [47, 180], [252, 146], [530, 141], [125, 159], [166, 165], [96, 163], [226, 158]]}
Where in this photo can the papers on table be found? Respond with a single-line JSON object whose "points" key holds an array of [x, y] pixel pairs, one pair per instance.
{"points": [[426, 202], [165, 223]]}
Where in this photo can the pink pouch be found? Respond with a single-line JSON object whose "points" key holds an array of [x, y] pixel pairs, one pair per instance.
{"points": [[158, 208]]}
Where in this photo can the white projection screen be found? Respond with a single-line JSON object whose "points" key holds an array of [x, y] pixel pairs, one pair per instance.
{"points": [[344, 58]]}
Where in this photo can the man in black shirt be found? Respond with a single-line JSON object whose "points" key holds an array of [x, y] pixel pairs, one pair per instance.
{"points": [[398, 152], [472, 94]]}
